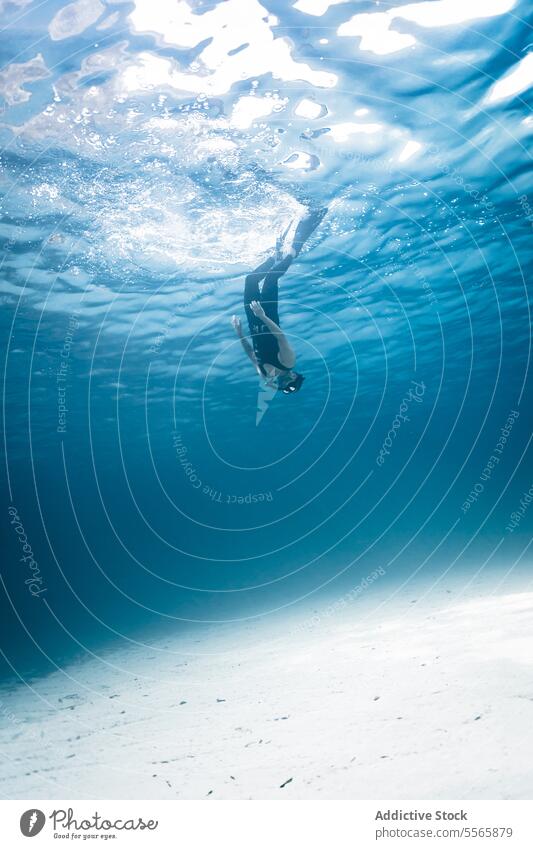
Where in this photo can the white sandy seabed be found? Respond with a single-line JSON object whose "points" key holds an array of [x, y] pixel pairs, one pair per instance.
{"points": [[390, 699]]}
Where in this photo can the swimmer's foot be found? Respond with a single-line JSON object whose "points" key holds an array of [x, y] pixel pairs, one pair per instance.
{"points": [[281, 251], [306, 226]]}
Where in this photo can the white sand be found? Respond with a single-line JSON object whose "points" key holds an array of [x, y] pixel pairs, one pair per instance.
{"points": [[421, 701]]}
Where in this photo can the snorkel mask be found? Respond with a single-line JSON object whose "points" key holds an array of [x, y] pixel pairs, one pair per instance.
{"points": [[288, 384]]}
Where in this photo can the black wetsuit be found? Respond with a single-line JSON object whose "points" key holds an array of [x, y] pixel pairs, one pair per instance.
{"points": [[265, 344]]}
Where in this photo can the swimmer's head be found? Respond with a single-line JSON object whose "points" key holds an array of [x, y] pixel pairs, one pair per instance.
{"points": [[290, 382]]}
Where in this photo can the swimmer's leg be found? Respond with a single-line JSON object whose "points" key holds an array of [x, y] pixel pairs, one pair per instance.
{"points": [[270, 291], [252, 293], [252, 280]]}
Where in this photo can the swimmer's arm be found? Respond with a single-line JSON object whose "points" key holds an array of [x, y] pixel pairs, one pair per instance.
{"points": [[248, 350], [286, 355]]}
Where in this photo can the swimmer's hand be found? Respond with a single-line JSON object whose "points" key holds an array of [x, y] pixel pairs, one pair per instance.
{"points": [[257, 309], [236, 323]]}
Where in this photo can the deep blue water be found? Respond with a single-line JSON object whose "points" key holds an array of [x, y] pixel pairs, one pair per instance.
{"points": [[150, 154]]}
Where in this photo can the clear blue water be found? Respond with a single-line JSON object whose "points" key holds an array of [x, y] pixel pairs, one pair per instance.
{"points": [[150, 154]]}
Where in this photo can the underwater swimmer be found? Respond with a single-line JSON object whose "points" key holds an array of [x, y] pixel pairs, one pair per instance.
{"points": [[270, 352]]}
